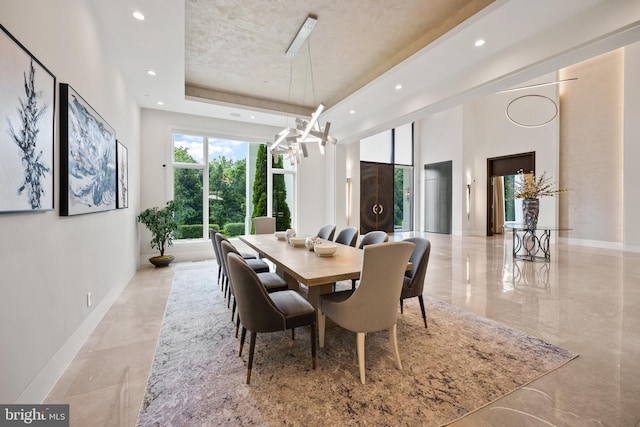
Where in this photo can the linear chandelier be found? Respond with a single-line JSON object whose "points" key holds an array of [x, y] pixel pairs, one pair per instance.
{"points": [[291, 141]]}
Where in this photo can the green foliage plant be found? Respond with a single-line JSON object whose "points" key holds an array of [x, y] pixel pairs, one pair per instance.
{"points": [[280, 206], [162, 223]]}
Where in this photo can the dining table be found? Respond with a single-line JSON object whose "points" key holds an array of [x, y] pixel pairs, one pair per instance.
{"points": [[299, 265]]}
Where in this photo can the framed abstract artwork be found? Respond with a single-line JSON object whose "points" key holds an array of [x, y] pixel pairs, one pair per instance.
{"points": [[122, 174], [27, 119], [87, 157]]}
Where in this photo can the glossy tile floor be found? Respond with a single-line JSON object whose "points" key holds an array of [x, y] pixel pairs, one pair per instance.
{"points": [[586, 300]]}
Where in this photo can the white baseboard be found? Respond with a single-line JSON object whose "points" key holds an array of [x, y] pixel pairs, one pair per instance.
{"points": [[592, 243], [42, 384]]}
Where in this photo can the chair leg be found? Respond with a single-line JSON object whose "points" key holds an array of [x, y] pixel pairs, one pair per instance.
{"points": [[219, 273], [233, 309], [252, 347], [237, 324], [321, 321], [360, 350], [242, 337], [424, 314], [393, 340], [353, 284], [313, 345], [401, 307], [293, 333]]}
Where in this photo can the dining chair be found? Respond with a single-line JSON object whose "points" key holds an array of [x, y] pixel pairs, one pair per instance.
{"points": [[216, 250], [272, 282], [371, 238], [327, 232], [264, 225], [261, 312], [413, 284], [251, 259], [371, 306], [348, 236]]}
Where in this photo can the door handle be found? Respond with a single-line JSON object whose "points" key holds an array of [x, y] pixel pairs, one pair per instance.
{"points": [[377, 209]]}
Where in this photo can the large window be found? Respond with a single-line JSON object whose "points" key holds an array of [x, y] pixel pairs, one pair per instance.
{"points": [[210, 185]]}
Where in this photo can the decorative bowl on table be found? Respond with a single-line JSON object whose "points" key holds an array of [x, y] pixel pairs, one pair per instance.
{"points": [[280, 235], [297, 241], [311, 242], [325, 249]]}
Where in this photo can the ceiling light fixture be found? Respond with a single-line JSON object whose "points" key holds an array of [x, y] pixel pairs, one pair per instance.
{"points": [[301, 36], [398, 86], [151, 72], [138, 15], [479, 42], [291, 142]]}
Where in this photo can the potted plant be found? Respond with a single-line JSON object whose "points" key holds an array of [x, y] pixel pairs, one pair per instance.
{"points": [[162, 223], [530, 189]]}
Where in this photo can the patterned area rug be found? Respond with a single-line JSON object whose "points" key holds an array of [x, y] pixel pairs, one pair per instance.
{"points": [[459, 364]]}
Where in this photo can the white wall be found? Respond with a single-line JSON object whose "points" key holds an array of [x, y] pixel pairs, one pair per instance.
{"points": [[631, 148], [468, 136], [49, 263]]}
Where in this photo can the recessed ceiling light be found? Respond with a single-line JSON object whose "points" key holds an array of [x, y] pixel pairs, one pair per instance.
{"points": [[479, 42], [138, 15], [398, 86], [151, 72], [160, 103], [253, 117], [352, 111]]}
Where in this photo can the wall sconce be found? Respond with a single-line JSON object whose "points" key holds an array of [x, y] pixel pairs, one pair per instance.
{"points": [[407, 194], [468, 201], [348, 201]]}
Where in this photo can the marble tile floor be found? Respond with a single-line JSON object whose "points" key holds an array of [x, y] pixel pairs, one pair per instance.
{"points": [[586, 300]]}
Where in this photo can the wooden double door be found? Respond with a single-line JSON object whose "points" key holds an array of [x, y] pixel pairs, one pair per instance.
{"points": [[376, 197]]}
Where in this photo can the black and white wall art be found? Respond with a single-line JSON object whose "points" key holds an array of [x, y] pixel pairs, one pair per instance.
{"points": [[87, 157], [27, 116], [122, 173]]}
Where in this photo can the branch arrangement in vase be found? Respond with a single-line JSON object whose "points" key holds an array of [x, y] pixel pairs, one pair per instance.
{"points": [[530, 187]]}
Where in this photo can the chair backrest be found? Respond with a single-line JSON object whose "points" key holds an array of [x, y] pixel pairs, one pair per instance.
{"points": [[373, 237], [373, 306], [420, 260], [225, 249], [223, 259], [216, 250], [264, 224], [348, 236], [327, 232], [257, 311]]}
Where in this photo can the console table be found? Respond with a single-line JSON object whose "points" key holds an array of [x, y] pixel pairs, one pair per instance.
{"points": [[532, 244]]}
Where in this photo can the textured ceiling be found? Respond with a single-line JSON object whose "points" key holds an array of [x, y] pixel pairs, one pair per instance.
{"points": [[235, 51]]}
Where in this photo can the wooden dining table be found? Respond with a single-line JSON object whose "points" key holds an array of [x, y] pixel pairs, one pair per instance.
{"points": [[298, 265]]}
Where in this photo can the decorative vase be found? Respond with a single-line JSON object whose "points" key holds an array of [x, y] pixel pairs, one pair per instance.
{"points": [[311, 242], [530, 210], [289, 234]]}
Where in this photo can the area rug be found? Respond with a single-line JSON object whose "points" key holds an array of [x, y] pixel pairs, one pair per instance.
{"points": [[460, 363]]}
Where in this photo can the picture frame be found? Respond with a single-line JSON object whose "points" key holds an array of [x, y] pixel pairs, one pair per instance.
{"points": [[122, 174], [87, 157], [27, 129]]}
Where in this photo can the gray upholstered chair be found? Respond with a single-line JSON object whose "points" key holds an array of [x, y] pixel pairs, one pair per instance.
{"points": [[371, 238], [348, 236], [258, 265], [372, 306], [216, 250], [222, 274], [264, 225], [414, 278], [263, 312], [271, 281], [327, 232]]}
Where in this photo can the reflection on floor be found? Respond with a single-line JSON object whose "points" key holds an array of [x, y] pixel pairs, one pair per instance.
{"points": [[586, 300]]}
